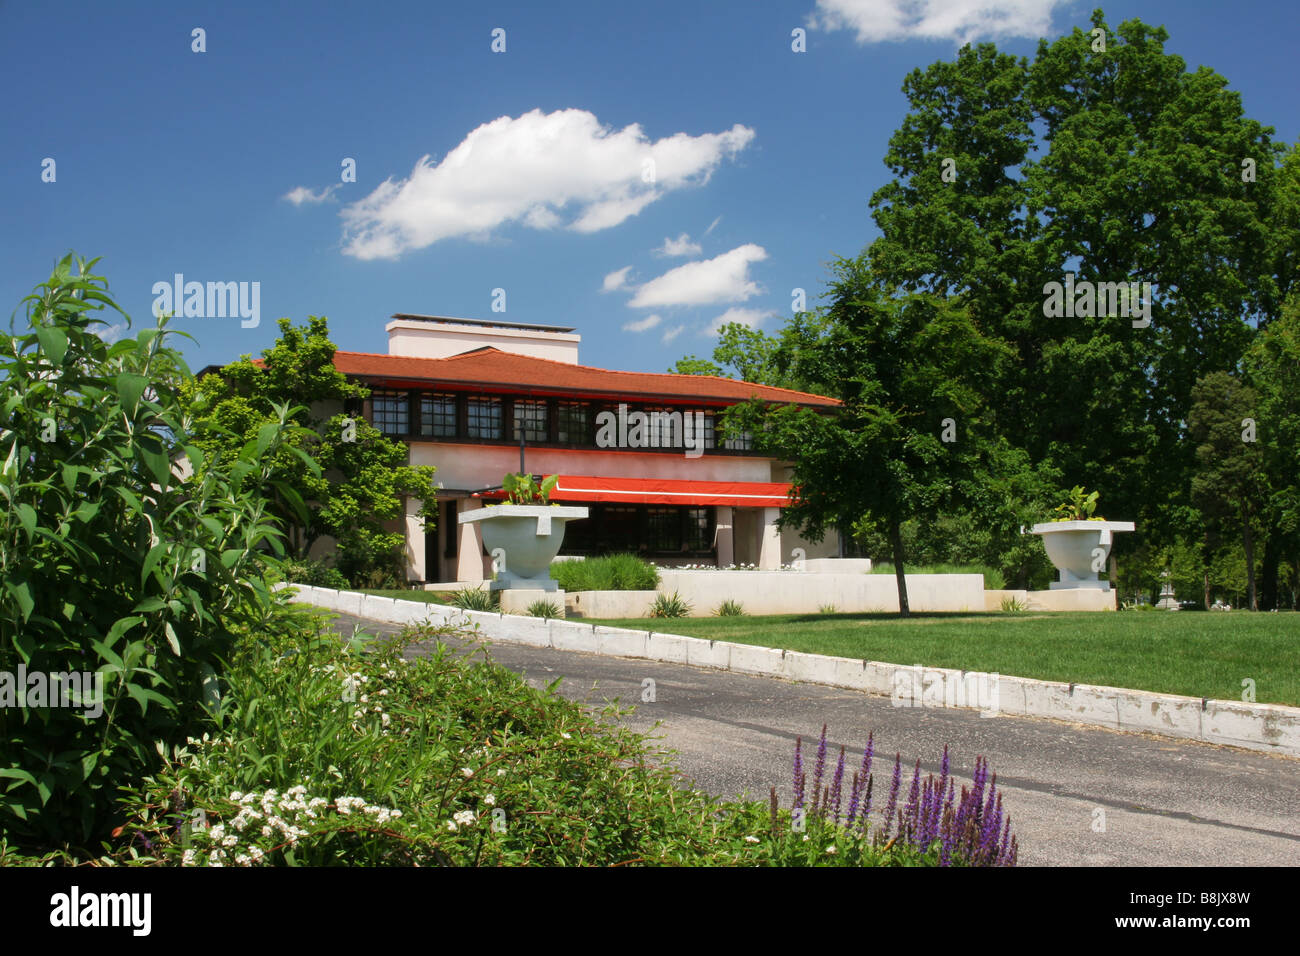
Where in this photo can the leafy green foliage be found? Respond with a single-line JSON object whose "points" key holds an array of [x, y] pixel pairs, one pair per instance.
{"points": [[614, 572], [910, 440], [546, 609], [445, 759], [1078, 505], [1230, 485], [993, 579], [670, 605], [476, 599], [730, 608], [115, 558], [363, 476], [522, 489]]}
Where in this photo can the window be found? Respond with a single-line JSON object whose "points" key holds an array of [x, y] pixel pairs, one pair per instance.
{"points": [[743, 442], [390, 412], [699, 529], [664, 529], [484, 418], [530, 421], [574, 423], [438, 415], [710, 437]]}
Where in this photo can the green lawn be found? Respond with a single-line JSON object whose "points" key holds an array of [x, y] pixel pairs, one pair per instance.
{"points": [[1199, 654], [428, 597]]}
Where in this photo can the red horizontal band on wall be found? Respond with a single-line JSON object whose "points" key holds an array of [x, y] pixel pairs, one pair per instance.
{"points": [[665, 491]]}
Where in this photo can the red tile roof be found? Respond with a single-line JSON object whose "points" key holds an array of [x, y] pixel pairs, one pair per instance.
{"points": [[492, 368]]}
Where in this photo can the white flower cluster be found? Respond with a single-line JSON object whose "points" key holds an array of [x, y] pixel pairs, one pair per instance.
{"points": [[282, 818]]}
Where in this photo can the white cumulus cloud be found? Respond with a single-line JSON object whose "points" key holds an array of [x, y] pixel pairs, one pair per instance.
{"points": [[672, 333], [616, 280], [542, 170], [750, 318], [681, 246], [642, 325], [723, 278], [301, 194], [960, 21]]}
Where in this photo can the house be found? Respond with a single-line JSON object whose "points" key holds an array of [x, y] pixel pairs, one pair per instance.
{"points": [[478, 399]]}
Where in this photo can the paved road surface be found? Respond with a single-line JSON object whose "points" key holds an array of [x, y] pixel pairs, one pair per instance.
{"points": [[1162, 801]]}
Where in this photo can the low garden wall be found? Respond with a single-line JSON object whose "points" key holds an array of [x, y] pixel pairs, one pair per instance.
{"points": [[797, 592], [1267, 727]]}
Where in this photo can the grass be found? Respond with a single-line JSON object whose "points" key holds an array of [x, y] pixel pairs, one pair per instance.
{"points": [[428, 597], [1189, 653], [615, 572]]}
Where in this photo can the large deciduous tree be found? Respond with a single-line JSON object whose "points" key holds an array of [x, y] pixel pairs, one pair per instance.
{"points": [[1103, 157], [912, 373]]}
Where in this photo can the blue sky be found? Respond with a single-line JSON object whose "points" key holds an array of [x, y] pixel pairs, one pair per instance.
{"points": [[522, 170]]}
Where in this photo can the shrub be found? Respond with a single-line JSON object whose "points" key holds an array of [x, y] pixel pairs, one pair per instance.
{"points": [[543, 609], [827, 609], [351, 754], [616, 572], [669, 606], [114, 557], [316, 573], [476, 599], [730, 609], [1013, 605], [993, 578]]}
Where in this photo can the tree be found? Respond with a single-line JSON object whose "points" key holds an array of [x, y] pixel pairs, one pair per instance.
{"points": [[364, 475], [1272, 368], [1229, 485], [1138, 177], [114, 560], [741, 352], [911, 372]]}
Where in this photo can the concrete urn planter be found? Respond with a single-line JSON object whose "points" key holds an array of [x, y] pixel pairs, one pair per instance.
{"points": [[1077, 547], [523, 539]]}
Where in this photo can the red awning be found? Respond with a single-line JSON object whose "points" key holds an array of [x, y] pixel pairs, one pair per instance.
{"points": [[665, 491]]}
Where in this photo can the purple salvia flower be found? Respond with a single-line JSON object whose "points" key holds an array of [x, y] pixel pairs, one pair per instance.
{"points": [[798, 773], [893, 793], [837, 787], [946, 837], [820, 769], [913, 801], [855, 796], [861, 778], [866, 803], [1002, 850], [943, 771]]}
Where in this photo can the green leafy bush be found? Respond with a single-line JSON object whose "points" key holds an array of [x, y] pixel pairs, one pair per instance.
{"points": [[352, 754], [115, 558], [543, 609], [1013, 605], [670, 605], [993, 578], [615, 572], [730, 609], [316, 573], [476, 599]]}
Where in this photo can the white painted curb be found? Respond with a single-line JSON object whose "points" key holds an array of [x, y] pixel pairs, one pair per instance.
{"points": [[1273, 728]]}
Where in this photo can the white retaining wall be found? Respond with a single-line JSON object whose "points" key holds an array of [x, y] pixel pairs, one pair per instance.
{"points": [[796, 592], [1272, 728]]}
